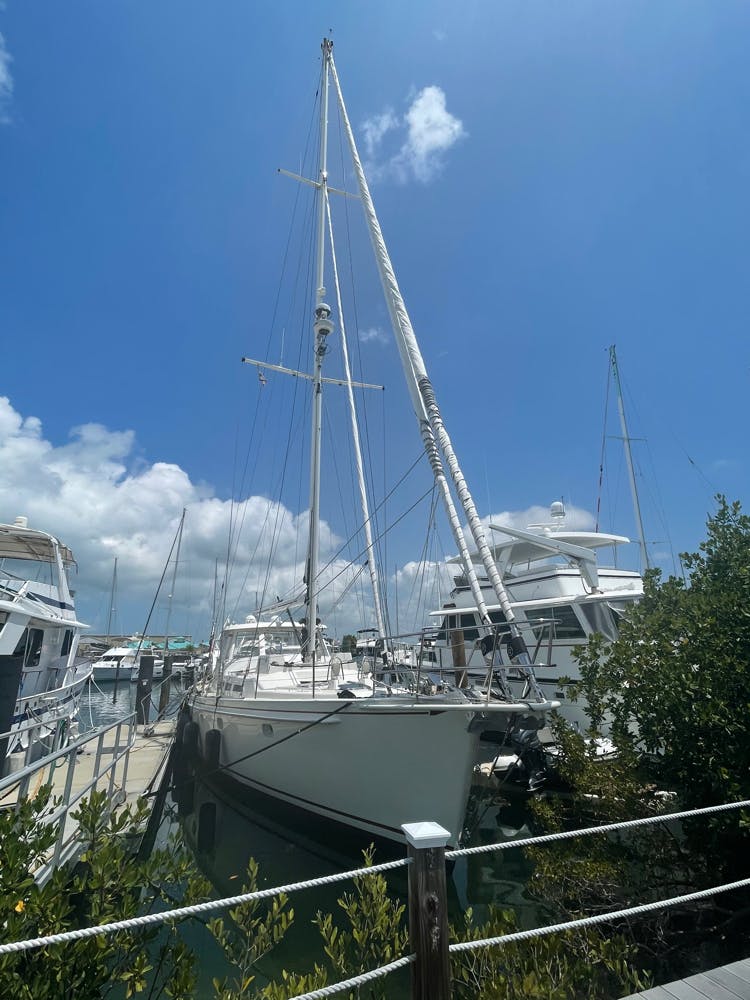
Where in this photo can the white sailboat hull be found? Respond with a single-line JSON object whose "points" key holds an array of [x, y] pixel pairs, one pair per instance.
{"points": [[371, 764]]}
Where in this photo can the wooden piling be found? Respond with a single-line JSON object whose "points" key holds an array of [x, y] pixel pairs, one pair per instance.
{"points": [[143, 694], [428, 911]]}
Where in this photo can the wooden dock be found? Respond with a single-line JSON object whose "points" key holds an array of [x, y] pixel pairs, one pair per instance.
{"points": [[727, 983]]}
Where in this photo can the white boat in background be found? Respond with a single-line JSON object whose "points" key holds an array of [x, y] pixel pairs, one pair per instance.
{"points": [[118, 663], [296, 724], [40, 679], [560, 596]]}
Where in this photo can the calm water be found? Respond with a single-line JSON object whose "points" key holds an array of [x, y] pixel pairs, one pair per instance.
{"points": [[285, 854]]}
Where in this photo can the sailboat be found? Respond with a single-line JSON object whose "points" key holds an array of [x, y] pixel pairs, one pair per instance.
{"points": [[288, 717]]}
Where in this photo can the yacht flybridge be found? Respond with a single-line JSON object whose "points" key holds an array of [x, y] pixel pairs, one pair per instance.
{"points": [[40, 680], [560, 595], [291, 718]]}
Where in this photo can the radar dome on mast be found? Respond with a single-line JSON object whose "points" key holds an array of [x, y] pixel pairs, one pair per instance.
{"points": [[557, 510]]}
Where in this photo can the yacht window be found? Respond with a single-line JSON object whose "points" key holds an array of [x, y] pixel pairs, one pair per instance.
{"points": [[468, 624], [29, 646], [498, 618], [561, 619], [447, 625], [599, 618], [67, 642]]}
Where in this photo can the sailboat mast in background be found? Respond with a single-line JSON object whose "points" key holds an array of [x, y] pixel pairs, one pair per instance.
{"points": [[645, 562]]}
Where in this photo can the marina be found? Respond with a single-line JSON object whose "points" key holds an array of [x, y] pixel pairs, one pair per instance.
{"points": [[342, 650]]}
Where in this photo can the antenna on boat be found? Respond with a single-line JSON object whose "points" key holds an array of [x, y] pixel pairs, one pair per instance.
{"points": [[629, 459]]}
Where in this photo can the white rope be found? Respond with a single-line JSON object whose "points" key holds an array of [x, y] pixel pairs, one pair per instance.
{"points": [[350, 984], [627, 824], [599, 918], [149, 919]]}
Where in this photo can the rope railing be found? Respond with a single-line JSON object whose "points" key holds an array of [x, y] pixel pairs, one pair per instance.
{"points": [[598, 918], [627, 824], [356, 981], [181, 913]]}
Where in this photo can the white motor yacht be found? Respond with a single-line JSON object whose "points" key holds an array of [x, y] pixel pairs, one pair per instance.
{"points": [[560, 595], [41, 680]]}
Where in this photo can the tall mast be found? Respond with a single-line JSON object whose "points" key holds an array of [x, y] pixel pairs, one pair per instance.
{"points": [[645, 562], [433, 430], [174, 580], [322, 327], [112, 600]]}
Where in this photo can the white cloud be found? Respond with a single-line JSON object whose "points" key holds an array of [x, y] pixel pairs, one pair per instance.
{"points": [[6, 81], [376, 127], [93, 493], [432, 131], [373, 334], [439, 34], [427, 131], [576, 518]]}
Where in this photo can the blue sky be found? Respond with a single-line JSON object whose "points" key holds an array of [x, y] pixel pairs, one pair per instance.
{"points": [[582, 181]]}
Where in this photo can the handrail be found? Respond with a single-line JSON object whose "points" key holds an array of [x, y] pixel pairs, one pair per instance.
{"points": [[17, 776], [179, 913]]}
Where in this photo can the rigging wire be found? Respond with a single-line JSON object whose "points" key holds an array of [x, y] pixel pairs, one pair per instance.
{"points": [[419, 578], [420, 458], [370, 479], [278, 507], [362, 551], [234, 530]]}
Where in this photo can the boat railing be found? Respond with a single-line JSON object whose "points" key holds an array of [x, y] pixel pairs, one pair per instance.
{"points": [[539, 635], [96, 761], [437, 659]]}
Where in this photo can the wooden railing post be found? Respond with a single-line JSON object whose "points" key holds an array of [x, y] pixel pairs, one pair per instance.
{"points": [[428, 911]]}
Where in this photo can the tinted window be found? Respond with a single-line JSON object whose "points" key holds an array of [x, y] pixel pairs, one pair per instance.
{"points": [[67, 642], [30, 646], [468, 624], [562, 620]]}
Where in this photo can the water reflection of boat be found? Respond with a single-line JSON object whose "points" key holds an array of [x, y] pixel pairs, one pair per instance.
{"points": [[284, 855], [293, 853]]}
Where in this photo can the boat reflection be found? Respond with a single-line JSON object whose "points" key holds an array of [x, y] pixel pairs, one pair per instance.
{"points": [[226, 828], [235, 832]]}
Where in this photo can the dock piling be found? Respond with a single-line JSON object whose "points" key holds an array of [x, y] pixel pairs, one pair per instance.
{"points": [[428, 911]]}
